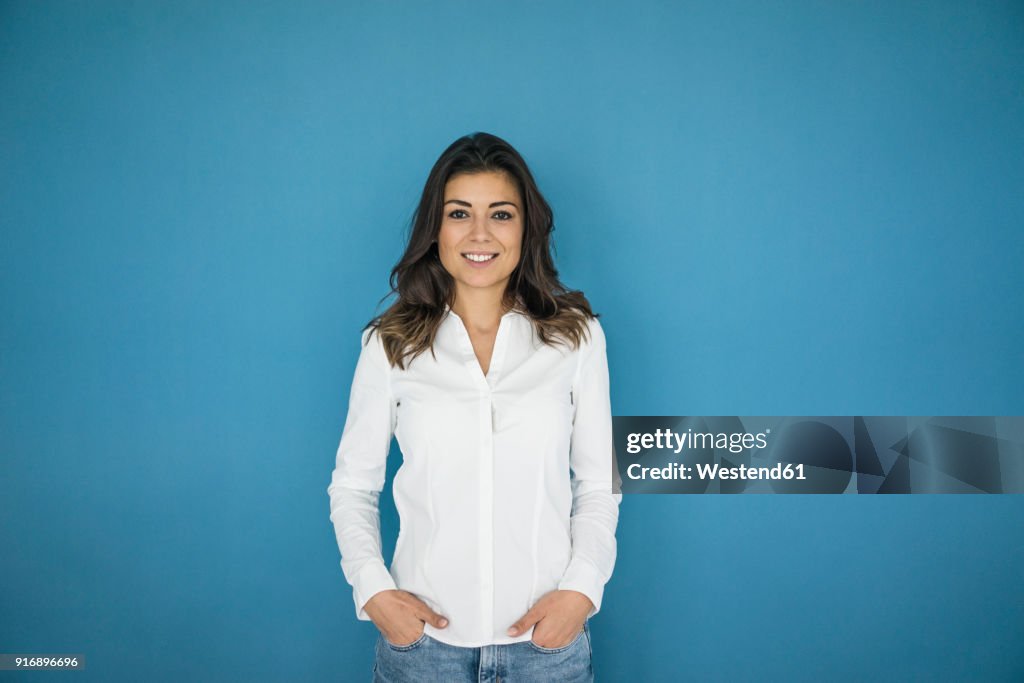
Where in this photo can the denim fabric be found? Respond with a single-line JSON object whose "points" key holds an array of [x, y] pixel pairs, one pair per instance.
{"points": [[428, 660]]}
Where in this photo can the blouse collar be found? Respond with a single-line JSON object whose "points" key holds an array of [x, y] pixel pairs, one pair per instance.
{"points": [[514, 311]]}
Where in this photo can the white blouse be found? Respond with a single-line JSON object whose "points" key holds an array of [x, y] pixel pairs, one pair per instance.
{"points": [[490, 517]]}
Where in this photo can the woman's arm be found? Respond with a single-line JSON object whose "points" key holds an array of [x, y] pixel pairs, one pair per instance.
{"points": [[359, 473], [595, 509]]}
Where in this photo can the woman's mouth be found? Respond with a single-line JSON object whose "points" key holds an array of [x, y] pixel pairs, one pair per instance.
{"points": [[479, 259]]}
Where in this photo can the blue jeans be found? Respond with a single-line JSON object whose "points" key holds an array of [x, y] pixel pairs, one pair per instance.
{"points": [[427, 660]]}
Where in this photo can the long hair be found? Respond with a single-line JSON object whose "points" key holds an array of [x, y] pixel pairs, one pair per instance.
{"points": [[423, 286]]}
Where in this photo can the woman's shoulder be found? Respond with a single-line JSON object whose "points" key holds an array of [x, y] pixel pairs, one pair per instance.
{"points": [[578, 333], [589, 325], [368, 336], [371, 345], [595, 338], [575, 325], [576, 314]]}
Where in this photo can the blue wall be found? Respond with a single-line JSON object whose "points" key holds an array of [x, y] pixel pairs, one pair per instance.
{"points": [[779, 209]]}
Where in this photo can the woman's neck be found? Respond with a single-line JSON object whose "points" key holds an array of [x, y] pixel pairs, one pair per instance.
{"points": [[480, 310]]}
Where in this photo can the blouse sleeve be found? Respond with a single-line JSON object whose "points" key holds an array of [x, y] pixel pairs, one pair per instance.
{"points": [[595, 508], [359, 473]]}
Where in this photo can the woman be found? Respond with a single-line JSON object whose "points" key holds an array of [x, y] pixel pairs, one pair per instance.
{"points": [[493, 378]]}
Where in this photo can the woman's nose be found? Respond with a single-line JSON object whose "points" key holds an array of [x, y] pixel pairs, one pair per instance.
{"points": [[479, 227]]}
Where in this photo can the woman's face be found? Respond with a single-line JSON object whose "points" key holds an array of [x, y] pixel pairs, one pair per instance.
{"points": [[481, 234]]}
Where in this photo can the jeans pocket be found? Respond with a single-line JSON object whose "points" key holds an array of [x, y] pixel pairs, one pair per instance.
{"points": [[404, 648], [556, 650]]}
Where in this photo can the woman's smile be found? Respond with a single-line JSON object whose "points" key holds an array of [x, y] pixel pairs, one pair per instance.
{"points": [[479, 259]]}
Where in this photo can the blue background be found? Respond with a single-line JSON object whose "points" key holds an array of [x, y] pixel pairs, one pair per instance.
{"points": [[791, 208]]}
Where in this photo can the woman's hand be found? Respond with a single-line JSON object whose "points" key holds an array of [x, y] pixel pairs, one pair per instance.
{"points": [[401, 616], [559, 617]]}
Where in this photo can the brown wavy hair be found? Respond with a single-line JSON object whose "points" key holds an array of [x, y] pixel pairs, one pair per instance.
{"points": [[423, 285]]}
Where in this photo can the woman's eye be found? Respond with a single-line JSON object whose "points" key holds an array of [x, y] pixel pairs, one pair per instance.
{"points": [[499, 215]]}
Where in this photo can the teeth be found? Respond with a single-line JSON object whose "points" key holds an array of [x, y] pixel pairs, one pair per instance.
{"points": [[479, 258]]}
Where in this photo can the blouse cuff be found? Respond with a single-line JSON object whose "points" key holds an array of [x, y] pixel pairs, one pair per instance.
{"points": [[584, 577], [371, 579]]}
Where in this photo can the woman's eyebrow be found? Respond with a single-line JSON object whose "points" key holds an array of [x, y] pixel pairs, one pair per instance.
{"points": [[494, 204]]}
